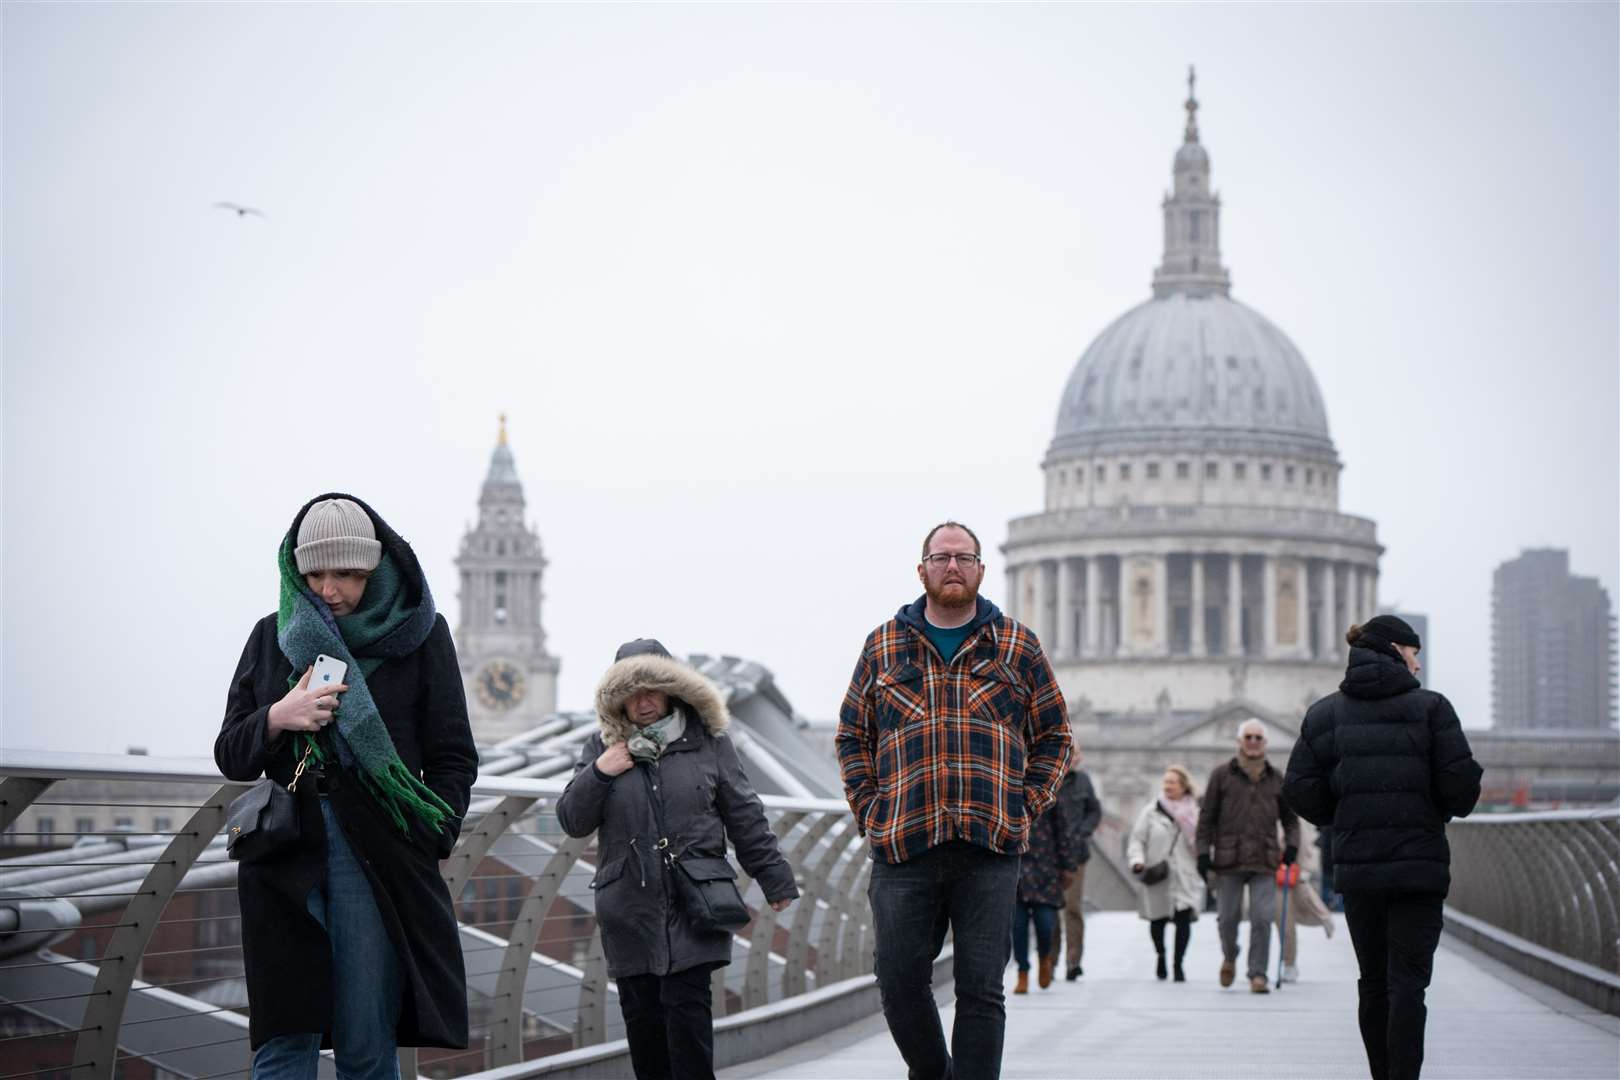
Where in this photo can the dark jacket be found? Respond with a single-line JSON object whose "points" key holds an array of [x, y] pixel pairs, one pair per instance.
{"points": [[1386, 764], [1082, 812], [1237, 823], [1051, 850], [285, 950], [702, 795]]}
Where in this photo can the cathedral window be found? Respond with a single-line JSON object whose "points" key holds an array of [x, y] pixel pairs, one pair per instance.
{"points": [[1195, 226], [1183, 470], [1240, 470], [1288, 473], [1125, 470], [1310, 477], [1102, 473], [500, 547], [1063, 477], [1265, 472], [1211, 470], [1153, 470], [500, 578]]}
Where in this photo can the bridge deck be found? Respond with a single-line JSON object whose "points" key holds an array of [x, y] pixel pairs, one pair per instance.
{"points": [[1485, 1021]]}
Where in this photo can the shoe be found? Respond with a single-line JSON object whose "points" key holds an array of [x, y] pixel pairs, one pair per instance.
{"points": [[1257, 985], [1180, 976], [1044, 976], [1022, 986], [1073, 973], [1160, 969], [1290, 973], [1228, 972]]}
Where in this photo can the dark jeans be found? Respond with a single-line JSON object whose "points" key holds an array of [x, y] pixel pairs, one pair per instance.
{"points": [[1045, 922], [669, 1023], [968, 890], [1183, 934], [1395, 937]]}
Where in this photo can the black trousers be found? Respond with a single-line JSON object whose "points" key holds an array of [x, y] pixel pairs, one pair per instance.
{"points": [[669, 1023], [1183, 921], [1395, 938]]}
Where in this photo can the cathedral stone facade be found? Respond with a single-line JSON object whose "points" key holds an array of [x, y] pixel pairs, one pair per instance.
{"points": [[511, 679], [1191, 566]]}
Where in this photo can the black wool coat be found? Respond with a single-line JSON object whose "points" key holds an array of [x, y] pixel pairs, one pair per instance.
{"points": [[1082, 812], [702, 794], [285, 950], [1386, 764]]}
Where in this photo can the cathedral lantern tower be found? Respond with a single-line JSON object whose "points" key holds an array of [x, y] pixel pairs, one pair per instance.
{"points": [[511, 679]]}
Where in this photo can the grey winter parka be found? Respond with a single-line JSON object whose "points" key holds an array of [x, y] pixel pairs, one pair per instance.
{"points": [[705, 797]]}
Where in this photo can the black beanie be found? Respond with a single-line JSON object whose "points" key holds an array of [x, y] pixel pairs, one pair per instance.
{"points": [[642, 646], [1394, 630]]}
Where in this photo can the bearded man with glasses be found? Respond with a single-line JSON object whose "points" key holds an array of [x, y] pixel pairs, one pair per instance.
{"points": [[953, 738], [1237, 839]]}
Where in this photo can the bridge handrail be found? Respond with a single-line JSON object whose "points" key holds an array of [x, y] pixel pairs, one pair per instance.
{"points": [[1551, 878], [532, 999]]}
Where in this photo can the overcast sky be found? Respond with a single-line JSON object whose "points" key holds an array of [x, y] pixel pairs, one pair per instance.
{"points": [[766, 290]]}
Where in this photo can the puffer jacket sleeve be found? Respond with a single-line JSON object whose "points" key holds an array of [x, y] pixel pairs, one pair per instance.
{"points": [[1307, 785], [750, 834], [579, 809], [243, 749], [1455, 773]]}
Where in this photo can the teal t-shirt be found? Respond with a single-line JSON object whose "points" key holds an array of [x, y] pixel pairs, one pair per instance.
{"points": [[947, 641]]}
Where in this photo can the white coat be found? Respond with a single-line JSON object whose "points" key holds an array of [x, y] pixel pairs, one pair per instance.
{"points": [[1152, 838]]}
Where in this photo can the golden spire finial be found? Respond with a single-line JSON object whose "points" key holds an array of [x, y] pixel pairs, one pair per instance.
{"points": [[502, 440]]}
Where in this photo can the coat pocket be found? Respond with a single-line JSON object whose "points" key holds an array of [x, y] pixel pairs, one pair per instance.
{"points": [[901, 697], [608, 873]]}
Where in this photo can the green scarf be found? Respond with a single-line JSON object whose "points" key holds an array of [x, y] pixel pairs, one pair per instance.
{"points": [[384, 625]]}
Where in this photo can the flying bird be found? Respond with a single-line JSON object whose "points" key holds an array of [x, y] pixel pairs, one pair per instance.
{"points": [[240, 210]]}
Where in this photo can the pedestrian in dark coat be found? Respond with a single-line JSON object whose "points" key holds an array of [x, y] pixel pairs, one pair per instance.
{"points": [[1042, 872], [661, 785], [1386, 764], [1082, 813], [349, 938]]}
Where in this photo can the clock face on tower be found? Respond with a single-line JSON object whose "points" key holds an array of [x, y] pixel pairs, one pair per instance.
{"points": [[500, 685]]}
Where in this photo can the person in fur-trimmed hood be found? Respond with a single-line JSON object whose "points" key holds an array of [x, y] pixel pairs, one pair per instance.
{"points": [[662, 786]]}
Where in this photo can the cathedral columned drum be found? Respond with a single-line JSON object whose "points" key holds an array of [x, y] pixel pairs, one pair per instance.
{"points": [[1191, 555], [511, 679]]}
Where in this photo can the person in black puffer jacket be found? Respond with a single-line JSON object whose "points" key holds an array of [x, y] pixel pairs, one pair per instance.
{"points": [[1386, 764]]}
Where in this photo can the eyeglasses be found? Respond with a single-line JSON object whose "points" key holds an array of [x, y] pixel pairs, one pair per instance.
{"points": [[943, 559], [1254, 738]]}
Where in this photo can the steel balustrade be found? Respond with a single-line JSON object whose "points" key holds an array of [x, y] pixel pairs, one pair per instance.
{"points": [[536, 973], [1551, 878]]}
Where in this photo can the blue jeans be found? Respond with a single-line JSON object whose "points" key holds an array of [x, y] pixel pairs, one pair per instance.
{"points": [[366, 981], [968, 890], [1045, 922]]}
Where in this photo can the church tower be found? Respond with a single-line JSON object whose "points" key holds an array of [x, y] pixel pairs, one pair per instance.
{"points": [[511, 680]]}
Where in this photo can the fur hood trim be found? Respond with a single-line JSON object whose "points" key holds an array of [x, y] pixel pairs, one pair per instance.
{"points": [[648, 672]]}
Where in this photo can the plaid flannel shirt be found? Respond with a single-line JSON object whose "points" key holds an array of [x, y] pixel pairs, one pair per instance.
{"points": [[930, 751]]}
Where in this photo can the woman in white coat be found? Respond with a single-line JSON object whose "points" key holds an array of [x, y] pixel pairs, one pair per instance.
{"points": [[1164, 833]]}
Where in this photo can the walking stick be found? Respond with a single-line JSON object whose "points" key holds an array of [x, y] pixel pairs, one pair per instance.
{"points": [[1287, 878]]}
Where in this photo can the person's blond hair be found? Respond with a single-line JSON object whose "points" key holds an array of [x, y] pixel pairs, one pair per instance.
{"points": [[1185, 777]]}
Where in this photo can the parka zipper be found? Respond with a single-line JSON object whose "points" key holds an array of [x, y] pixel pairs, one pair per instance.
{"points": [[640, 869]]}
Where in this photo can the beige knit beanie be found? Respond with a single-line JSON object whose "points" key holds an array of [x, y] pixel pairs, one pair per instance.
{"points": [[337, 535]]}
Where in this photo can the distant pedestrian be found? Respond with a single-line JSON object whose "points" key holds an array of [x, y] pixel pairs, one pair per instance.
{"points": [[1386, 763], [1237, 839], [1165, 833], [1082, 812], [662, 787], [1045, 866], [952, 740]]}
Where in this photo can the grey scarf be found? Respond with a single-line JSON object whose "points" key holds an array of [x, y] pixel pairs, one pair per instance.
{"points": [[647, 743]]}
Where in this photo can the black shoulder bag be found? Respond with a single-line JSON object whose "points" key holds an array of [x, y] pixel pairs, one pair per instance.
{"points": [[703, 887], [1157, 872], [263, 821]]}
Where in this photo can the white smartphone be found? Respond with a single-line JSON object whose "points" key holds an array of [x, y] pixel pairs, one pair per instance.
{"points": [[328, 672]]}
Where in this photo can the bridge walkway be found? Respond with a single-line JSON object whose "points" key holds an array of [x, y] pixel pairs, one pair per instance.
{"points": [[1486, 1022]]}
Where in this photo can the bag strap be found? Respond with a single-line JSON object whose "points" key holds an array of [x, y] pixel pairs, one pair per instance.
{"points": [[292, 785], [1175, 827]]}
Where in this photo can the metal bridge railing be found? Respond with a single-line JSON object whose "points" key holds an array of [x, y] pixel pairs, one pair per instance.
{"points": [[1552, 879], [127, 946]]}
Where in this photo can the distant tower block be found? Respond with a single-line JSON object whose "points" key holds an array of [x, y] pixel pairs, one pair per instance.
{"points": [[511, 679]]}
